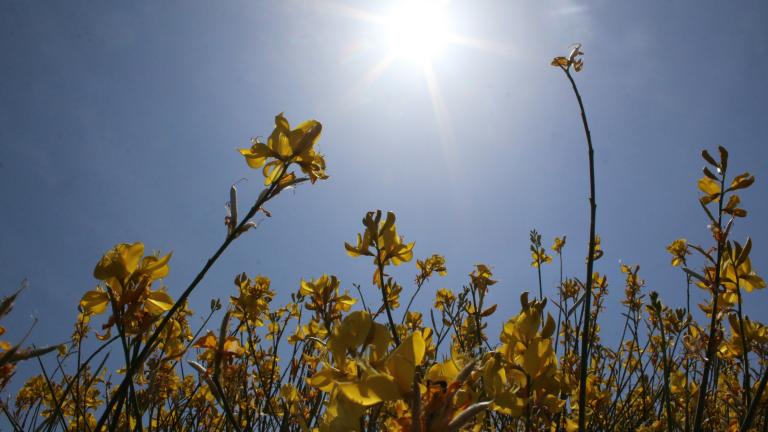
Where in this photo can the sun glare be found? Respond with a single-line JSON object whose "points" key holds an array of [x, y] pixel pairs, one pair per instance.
{"points": [[417, 29]]}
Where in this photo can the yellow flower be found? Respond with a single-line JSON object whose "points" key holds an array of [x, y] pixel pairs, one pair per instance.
{"points": [[481, 277], [119, 262], [210, 343], [558, 244], [444, 299], [539, 257], [742, 276], [414, 320], [678, 249], [381, 241], [324, 297], [538, 253], [368, 376], [129, 277], [433, 264], [286, 146], [572, 60], [253, 302], [529, 358]]}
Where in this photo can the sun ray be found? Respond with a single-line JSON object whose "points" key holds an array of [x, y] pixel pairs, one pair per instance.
{"points": [[448, 152], [371, 76], [438, 106], [480, 44], [348, 11], [414, 31], [377, 70]]}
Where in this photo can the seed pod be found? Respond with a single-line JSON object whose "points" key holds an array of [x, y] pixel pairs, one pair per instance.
{"points": [[198, 367], [7, 303], [232, 207], [468, 414]]}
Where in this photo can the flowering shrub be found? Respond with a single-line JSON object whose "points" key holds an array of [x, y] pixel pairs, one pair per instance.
{"points": [[332, 361]]}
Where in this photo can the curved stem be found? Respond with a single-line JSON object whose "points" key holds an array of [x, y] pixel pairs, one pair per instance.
{"points": [[410, 302], [590, 260]]}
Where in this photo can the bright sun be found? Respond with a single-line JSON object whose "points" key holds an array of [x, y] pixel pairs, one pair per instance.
{"points": [[417, 29]]}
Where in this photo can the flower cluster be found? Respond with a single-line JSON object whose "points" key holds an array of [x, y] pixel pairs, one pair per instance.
{"points": [[327, 360]]}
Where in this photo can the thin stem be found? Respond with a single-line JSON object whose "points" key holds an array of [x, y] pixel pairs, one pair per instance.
{"points": [[711, 344], [265, 196], [590, 260], [410, 302], [667, 395], [541, 290], [755, 402], [227, 410], [560, 304], [384, 297], [744, 344]]}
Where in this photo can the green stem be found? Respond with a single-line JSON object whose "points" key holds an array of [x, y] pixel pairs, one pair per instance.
{"points": [[384, 298], [590, 260], [560, 304], [665, 359], [711, 344], [744, 346], [265, 196], [755, 402]]}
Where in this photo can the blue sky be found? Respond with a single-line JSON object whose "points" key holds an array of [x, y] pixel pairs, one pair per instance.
{"points": [[119, 122]]}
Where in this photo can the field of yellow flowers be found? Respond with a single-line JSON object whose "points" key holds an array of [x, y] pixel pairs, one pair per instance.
{"points": [[331, 360]]}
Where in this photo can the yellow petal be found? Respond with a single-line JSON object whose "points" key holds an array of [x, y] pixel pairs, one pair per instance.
{"points": [[380, 338], [709, 186], [307, 288], [278, 141], [404, 359], [232, 346], [158, 302], [272, 171], [281, 123], [350, 334], [510, 404], [208, 341], [105, 336], [120, 261], [154, 267], [116, 286], [257, 155], [323, 380], [305, 135], [752, 281], [94, 302], [445, 371], [371, 390], [531, 360], [549, 327], [403, 253]]}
